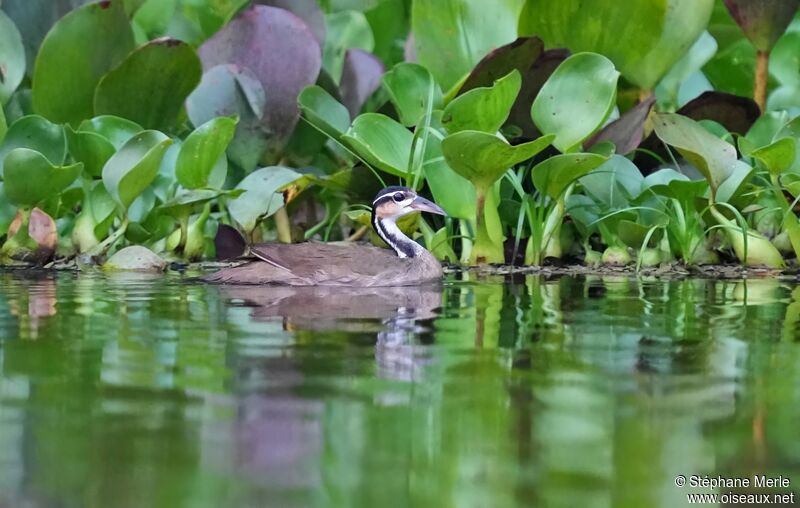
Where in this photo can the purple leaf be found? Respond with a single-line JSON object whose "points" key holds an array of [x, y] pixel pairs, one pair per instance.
{"points": [[283, 54], [519, 55], [627, 131], [361, 76], [762, 21], [736, 114], [229, 243], [307, 10]]}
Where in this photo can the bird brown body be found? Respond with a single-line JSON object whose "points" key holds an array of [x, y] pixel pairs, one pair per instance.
{"points": [[346, 263], [330, 264]]}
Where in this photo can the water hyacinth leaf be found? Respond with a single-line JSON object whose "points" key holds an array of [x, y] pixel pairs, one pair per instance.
{"points": [[324, 112], [695, 58], [3, 126], [642, 37], [614, 183], [632, 233], [361, 76], [154, 16], [736, 114], [345, 30], [134, 167], [30, 178], [12, 58], [764, 131], [228, 90], [452, 36], [307, 10], [671, 184], [713, 157], [213, 15], [784, 60], [261, 197], [96, 140], [454, 193], [735, 184], [201, 151], [625, 132], [576, 99], [482, 158], [382, 142], [552, 176], [533, 79], [38, 134], [281, 52], [762, 22], [483, 109], [778, 156], [82, 47], [93, 150], [113, 128], [409, 85], [34, 18], [151, 84], [518, 55]]}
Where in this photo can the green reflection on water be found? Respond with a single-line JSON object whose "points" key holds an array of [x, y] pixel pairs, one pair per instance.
{"points": [[519, 391]]}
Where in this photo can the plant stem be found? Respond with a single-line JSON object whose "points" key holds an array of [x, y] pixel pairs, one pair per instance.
{"points": [[762, 75], [484, 249], [111, 240], [283, 226]]}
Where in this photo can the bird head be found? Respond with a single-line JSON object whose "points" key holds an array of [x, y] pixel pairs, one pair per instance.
{"points": [[394, 202]]}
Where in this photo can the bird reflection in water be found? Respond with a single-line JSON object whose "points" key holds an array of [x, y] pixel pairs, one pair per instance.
{"points": [[397, 315]]}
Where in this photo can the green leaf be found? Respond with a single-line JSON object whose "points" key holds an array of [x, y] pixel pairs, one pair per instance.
{"points": [[151, 84], [87, 42], [451, 36], [131, 170], [408, 86], [778, 156], [113, 128], [202, 150], [30, 178], [96, 140], [382, 142], [345, 30], [455, 194], [614, 183], [93, 150], [693, 61], [3, 127], [324, 112], [576, 99], [12, 58], [483, 109], [552, 176], [261, 196], [713, 157], [735, 184], [643, 38], [669, 183], [38, 134], [483, 158]]}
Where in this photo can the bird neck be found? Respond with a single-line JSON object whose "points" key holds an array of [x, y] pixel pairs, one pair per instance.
{"points": [[387, 229]]}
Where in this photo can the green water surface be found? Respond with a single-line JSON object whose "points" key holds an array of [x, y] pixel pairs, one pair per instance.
{"points": [[486, 392]]}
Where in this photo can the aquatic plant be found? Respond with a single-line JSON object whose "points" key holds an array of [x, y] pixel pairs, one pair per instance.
{"points": [[143, 122]]}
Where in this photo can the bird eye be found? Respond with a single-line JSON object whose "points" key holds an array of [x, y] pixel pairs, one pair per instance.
{"points": [[398, 197]]}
